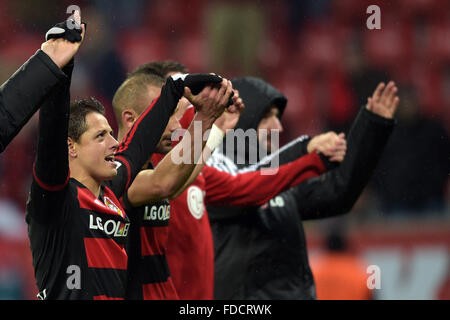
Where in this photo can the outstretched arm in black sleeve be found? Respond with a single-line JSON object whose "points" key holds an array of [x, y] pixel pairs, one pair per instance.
{"points": [[336, 191]]}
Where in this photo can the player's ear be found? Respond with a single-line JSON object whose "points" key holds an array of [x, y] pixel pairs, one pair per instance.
{"points": [[129, 116], [72, 148]]}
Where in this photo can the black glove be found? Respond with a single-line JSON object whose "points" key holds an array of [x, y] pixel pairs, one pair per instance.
{"points": [[197, 81], [68, 30]]}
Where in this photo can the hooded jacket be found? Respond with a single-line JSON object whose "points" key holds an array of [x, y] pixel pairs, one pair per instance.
{"points": [[256, 107], [261, 252]]}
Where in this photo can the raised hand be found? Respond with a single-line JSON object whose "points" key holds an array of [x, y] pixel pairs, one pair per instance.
{"points": [[330, 144], [60, 50], [230, 117], [384, 101], [212, 100]]}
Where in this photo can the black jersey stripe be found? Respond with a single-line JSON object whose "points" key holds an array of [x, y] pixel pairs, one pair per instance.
{"points": [[152, 269], [107, 282]]}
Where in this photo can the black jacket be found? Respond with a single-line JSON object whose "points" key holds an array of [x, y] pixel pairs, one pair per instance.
{"points": [[22, 94], [260, 253]]}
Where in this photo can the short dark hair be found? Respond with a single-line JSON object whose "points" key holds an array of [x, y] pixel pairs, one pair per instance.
{"points": [[79, 109], [160, 68]]}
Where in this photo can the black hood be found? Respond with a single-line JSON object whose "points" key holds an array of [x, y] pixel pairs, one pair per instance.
{"points": [[257, 96]]}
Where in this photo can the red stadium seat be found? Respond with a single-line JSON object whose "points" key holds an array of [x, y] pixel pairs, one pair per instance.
{"points": [[389, 46], [440, 42], [192, 52], [141, 46], [320, 48]]}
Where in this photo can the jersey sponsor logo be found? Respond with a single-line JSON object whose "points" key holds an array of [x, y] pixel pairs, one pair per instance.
{"points": [[98, 202], [110, 227], [195, 202], [111, 205], [157, 212]]}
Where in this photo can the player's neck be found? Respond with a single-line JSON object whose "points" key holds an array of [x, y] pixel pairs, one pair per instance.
{"points": [[120, 136], [121, 133], [87, 180]]}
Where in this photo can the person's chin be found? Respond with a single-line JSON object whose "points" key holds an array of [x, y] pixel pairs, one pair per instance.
{"points": [[114, 172], [110, 174]]}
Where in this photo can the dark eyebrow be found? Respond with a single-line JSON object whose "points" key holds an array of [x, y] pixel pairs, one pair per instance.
{"points": [[101, 132]]}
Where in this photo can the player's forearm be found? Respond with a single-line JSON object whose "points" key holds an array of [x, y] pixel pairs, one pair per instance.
{"points": [[22, 94], [183, 164], [198, 168], [141, 141], [367, 138], [172, 171], [337, 191], [51, 169], [214, 140]]}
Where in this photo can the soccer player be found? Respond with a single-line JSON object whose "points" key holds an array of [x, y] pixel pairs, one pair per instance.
{"points": [[76, 224], [189, 245], [261, 253], [146, 199]]}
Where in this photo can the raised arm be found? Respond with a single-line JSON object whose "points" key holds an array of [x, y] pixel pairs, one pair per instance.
{"points": [[51, 167], [23, 93], [226, 121], [336, 191], [176, 167], [140, 142]]}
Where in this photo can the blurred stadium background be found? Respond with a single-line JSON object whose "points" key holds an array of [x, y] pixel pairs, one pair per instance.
{"points": [[321, 55]]}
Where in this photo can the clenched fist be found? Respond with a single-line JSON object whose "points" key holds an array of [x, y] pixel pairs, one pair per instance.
{"points": [[58, 48], [330, 144]]}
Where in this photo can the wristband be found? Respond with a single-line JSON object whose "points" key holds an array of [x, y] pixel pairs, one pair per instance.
{"points": [[215, 138]]}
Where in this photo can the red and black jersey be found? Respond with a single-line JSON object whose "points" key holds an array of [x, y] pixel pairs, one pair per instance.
{"points": [[148, 271], [78, 240], [80, 252]]}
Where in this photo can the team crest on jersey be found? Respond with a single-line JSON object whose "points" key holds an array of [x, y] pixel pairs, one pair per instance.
{"points": [[111, 205], [195, 202]]}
